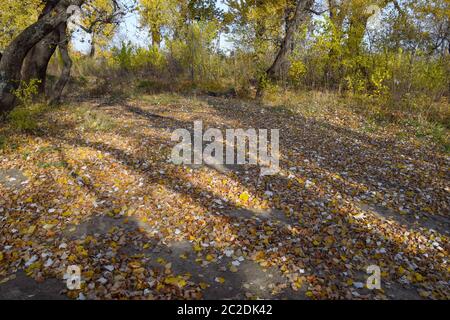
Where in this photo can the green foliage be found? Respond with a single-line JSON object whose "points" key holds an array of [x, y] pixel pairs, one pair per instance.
{"points": [[152, 57], [25, 118], [128, 58], [58, 164], [123, 55], [16, 15], [27, 91], [297, 71]]}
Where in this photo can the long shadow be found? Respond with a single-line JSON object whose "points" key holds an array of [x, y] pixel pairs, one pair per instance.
{"points": [[352, 150], [316, 258]]}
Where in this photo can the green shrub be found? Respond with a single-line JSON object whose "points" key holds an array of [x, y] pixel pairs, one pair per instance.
{"points": [[123, 55], [27, 91], [25, 118]]}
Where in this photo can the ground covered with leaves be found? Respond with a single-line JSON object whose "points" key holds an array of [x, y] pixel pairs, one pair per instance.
{"points": [[94, 187]]}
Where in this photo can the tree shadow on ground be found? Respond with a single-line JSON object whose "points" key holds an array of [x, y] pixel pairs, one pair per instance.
{"points": [[318, 261], [200, 194]]}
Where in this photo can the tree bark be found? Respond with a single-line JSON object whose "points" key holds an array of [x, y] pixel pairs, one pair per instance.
{"points": [[67, 65], [92, 51], [36, 62], [300, 15], [156, 36], [15, 53]]}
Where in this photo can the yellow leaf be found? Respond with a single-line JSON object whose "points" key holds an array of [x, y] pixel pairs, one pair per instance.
{"points": [[400, 270], [209, 257], [82, 251], [259, 255], [203, 285], [1, 256], [220, 280], [66, 214], [88, 274], [177, 281], [418, 276], [31, 229], [298, 283], [410, 194], [134, 264], [244, 196]]}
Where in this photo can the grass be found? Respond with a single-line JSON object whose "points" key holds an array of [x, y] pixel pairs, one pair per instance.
{"points": [[25, 118], [94, 120], [58, 164], [2, 142], [373, 117]]}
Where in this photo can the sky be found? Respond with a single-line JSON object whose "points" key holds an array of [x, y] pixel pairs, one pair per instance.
{"points": [[130, 30]]}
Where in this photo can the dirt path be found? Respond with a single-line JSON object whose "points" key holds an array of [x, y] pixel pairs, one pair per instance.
{"points": [[95, 189]]}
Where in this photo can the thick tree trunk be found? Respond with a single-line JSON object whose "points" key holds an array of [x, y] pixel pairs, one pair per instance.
{"points": [[15, 53], [300, 15], [36, 63], [67, 65]]}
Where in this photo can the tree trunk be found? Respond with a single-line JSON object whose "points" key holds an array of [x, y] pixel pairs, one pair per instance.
{"points": [[67, 65], [300, 15], [337, 14], [156, 36], [36, 62], [15, 53], [92, 51]]}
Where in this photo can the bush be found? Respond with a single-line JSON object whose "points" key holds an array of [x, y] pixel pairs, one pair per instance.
{"points": [[152, 57], [123, 55], [27, 91]]}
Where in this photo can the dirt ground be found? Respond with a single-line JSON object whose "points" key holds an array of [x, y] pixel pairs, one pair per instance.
{"points": [[95, 189]]}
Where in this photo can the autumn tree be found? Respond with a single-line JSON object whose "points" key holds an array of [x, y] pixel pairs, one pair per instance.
{"points": [[38, 41]]}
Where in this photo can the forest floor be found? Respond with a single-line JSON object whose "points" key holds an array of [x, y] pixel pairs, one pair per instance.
{"points": [[94, 187]]}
